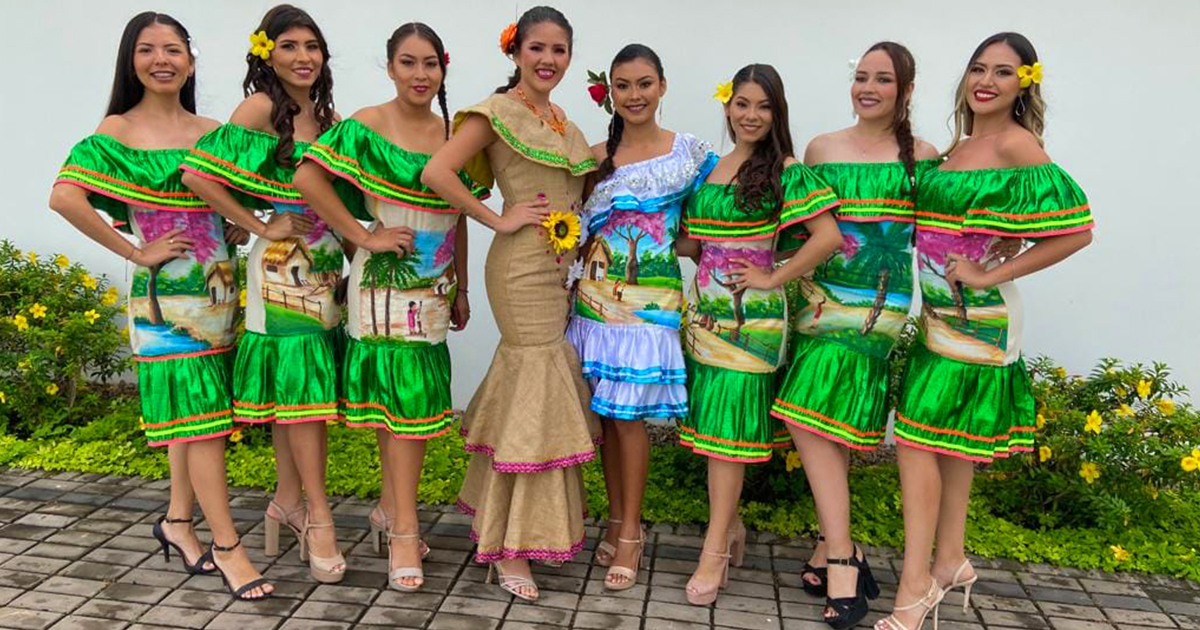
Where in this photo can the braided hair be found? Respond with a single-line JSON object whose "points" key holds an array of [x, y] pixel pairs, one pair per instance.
{"points": [[528, 20], [905, 68], [758, 178], [261, 77], [422, 30], [616, 126]]}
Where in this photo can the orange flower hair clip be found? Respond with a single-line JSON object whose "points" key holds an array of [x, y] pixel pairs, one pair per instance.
{"points": [[508, 39]]}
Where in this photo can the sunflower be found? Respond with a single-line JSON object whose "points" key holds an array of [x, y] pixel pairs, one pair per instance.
{"points": [[562, 228]]}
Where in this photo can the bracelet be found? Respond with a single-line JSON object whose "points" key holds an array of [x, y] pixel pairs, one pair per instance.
{"points": [[462, 290]]}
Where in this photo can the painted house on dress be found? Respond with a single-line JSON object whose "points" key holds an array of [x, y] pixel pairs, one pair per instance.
{"points": [[287, 262], [219, 284], [598, 259]]}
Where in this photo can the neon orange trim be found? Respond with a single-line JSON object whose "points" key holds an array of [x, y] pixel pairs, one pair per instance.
{"points": [[829, 420], [240, 169], [388, 412], [810, 195], [205, 416], [430, 195], [241, 403], [1036, 215], [726, 442], [728, 223], [963, 434], [894, 202], [130, 185]]}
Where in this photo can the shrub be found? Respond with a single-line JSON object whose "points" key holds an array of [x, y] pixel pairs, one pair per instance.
{"points": [[1113, 447], [56, 331]]}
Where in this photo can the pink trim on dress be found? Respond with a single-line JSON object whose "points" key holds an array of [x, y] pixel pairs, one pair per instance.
{"points": [[973, 458], [529, 467], [543, 555]]}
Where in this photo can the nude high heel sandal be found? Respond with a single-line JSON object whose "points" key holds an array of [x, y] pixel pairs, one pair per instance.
{"points": [[271, 525], [324, 570]]}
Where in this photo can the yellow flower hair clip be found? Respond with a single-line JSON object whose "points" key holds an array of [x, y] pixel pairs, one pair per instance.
{"points": [[261, 45], [1030, 74], [724, 92]]}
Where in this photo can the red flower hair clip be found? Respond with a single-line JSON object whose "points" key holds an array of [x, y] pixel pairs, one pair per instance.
{"points": [[599, 91]]}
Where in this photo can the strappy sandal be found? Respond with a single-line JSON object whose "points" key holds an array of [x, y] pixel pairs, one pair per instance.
{"points": [[195, 568], [629, 574], [821, 588], [966, 585], [379, 524], [324, 570], [705, 597], [513, 583], [399, 573], [605, 551], [239, 593], [848, 611], [929, 602], [271, 525]]}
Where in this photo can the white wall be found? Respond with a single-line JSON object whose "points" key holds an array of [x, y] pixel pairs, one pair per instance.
{"points": [[1121, 81]]}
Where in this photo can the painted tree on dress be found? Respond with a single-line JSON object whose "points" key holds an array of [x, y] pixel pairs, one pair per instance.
{"points": [[716, 260], [883, 253], [445, 252], [633, 226], [200, 227]]}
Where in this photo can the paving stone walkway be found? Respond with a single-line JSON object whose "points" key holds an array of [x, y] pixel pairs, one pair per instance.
{"points": [[76, 553]]}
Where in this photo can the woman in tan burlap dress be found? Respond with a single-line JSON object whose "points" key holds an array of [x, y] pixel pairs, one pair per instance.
{"points": [[528, 426]]}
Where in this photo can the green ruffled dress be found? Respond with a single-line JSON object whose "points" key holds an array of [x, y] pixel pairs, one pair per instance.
{"points": [[286, 369], [849, 313], [182, 312], [966, 390], [396, 373], [734, 341]]}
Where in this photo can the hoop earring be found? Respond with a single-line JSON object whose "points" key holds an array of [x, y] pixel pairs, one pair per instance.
{"points": [[1019, 109]]}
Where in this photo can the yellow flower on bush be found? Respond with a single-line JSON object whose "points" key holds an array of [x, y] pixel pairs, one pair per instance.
{"points": [[1119, 553], [37, 310], [142, 423], [1090, 472], [1166, 406], [1044, 453], [1092, 423], [88, 281], [32, 257], [21, 322], [236, 436], [110, 296], [724, 92], [52, 389], [24, 364], [91, 316], [62, 261], [1124, 410], [3, 398], [1191, 463], [1122, 391], [793, 461], [1143, 389], [242, 298], [1061, 372], [1041, 422], [1153, 492]]}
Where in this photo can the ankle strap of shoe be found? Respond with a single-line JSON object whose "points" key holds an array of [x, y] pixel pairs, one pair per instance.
{"points": [[222, 549], [168, 519], [414, 535], [716, 553]]}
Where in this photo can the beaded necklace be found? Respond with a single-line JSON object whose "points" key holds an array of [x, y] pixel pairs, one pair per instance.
{"points": [[556, 125]]}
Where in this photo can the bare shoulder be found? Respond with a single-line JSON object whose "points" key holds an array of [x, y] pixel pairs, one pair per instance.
{"points": [[253, 113], [372, 116], [600, 151], [820, 147], [205, 124], [1019, 147], [789, 161], [924, 150], [115, 126]]}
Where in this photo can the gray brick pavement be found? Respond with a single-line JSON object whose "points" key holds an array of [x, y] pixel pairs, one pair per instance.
{"points": [[76, 554]]}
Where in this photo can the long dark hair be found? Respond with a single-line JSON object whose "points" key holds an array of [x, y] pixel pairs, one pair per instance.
{"points": [[422, 30], [905, 68], [616, 126], [127, 90], [260, 77], [528, 20], [1029, 110], [758, 177]]}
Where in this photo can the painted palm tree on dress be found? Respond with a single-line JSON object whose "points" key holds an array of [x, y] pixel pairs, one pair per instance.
{"points": [[883, 251], [388, 271]]}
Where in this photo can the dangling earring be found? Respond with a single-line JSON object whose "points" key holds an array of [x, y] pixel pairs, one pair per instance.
{"points": [[1019, 109], [660, 108]]}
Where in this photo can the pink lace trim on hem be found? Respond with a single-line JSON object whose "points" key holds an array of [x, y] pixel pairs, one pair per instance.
{"points": [[543, 555], [530, 467]]}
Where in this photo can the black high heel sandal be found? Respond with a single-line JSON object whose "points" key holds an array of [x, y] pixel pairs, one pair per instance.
{"points": [[196, 568], [848, 611], [821, 573], [245, 588]]}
